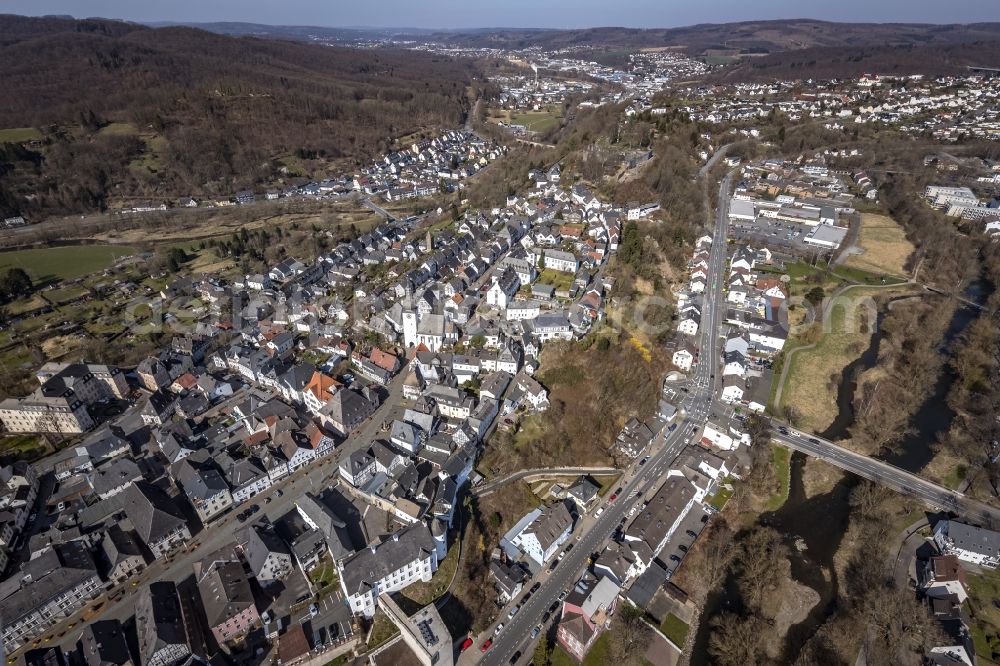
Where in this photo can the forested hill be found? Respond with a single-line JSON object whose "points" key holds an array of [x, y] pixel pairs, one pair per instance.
{"points": [[173, 111], [837, 62], [743, 37]]}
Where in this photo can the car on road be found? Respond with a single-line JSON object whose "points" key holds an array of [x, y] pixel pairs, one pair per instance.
{"points": [[466, 644], [783, 430], [515, 657], [496, 632], [486, 646], [535, 587], [814, 440]]}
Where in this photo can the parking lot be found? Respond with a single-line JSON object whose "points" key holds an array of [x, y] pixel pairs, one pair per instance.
{"points": [[773, 234]]}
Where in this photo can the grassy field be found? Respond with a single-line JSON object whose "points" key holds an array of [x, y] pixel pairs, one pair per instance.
{"points": [[719, 499], [598, 655], [811, 384], [885, 246], [557, 279], [19, 134], [984, 590], [383, 629], [675, 629], [63, 263], [780, 460], [534, 121]]}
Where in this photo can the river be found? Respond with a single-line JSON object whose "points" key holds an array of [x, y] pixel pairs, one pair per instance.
{"points": [[811, 543], [813, 527], [932, 418]]}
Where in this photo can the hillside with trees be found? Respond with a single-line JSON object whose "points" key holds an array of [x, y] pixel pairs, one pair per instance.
{"points": [[105, 111]]}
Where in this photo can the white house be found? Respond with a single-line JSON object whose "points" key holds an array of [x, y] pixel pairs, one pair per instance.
{"points": [[977, 545], [733, 388], [501, 292], [561, 261], [683, 359], [409, 555], [543, 536]]}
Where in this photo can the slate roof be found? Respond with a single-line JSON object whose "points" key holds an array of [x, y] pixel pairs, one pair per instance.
{"points": [[159, 619], [551, 524], [363, 569], [225, 591]]}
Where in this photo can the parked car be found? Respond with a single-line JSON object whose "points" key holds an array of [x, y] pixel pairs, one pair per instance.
{"points": [[691, 533], [466, 644], [486, 646], [496, 632], [537, 630], [535, 587], [513, 612], [515, 657], [545, 617]]}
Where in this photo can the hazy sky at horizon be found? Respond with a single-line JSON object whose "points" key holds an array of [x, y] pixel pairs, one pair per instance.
{"points": [[451, 14]]}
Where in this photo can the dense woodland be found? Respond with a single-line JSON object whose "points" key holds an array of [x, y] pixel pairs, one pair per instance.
{"points": [[195, 113], [829, 62]]}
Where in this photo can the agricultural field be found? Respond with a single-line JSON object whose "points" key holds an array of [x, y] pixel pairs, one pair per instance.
{"points": [[883, 244], [19, 134], [52, 264]]}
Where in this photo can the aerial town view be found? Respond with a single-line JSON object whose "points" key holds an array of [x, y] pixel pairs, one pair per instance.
{"points": [[636, 333]]}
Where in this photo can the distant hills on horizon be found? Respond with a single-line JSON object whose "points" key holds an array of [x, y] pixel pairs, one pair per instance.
{"points": [[736, 38]]}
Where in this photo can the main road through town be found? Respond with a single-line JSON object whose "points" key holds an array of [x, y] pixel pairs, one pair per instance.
{"points": [[668, 444]]}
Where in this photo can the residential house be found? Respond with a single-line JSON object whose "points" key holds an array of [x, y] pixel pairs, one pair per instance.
{"points": [[543, 536], [160, 625], [586, 612], [976, 545]]}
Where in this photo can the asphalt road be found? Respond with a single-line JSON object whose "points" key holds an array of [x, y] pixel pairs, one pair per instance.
{"points": [[698, 401], [517, 631], [889, 475]]}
